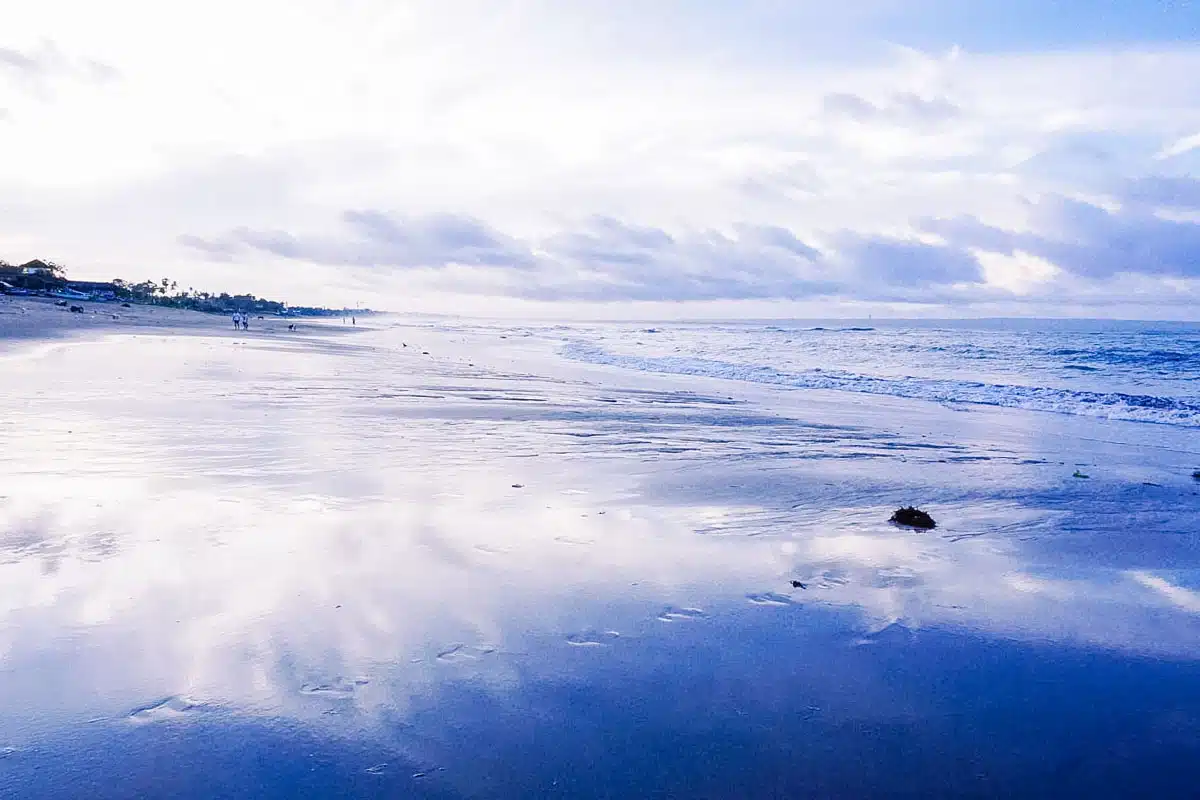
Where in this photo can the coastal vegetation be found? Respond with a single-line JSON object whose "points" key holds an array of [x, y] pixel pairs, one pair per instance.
{"points": [[41, 277]]}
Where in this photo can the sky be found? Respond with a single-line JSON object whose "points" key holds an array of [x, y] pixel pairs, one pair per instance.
{"points": [[615, 158]]}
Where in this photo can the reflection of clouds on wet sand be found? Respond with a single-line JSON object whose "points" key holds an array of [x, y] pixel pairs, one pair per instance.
{"points": [[1179, 596], [986, 584], [239, 597], [283, 529]]}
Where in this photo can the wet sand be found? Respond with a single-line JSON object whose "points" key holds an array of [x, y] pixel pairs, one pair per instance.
{"points": [[440, 561]]}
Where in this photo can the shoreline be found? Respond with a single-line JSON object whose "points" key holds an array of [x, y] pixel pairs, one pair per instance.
{"points": [[34, 319]]}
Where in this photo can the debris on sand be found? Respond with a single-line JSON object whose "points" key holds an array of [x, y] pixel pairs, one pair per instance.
{"points": [[913, 518], [799, 585], [1196, 475], [1078, 474], [76, 309], [518, 486]]}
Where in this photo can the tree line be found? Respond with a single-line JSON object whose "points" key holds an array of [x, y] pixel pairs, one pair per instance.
{"points": [[165, 292]]}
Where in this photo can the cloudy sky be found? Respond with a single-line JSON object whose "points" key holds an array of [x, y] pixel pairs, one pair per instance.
{"points": [[615, 157]]}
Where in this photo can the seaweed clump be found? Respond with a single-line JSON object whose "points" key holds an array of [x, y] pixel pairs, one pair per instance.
{"points": [[913, 518]]}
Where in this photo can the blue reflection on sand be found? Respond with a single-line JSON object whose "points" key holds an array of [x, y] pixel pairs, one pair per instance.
{"points": [[272, 567]]}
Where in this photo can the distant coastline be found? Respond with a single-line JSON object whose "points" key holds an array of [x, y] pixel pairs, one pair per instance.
{"points": [[40, 278]]}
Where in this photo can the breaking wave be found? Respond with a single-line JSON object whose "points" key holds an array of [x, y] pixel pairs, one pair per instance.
{"points": [[1110, 405]]}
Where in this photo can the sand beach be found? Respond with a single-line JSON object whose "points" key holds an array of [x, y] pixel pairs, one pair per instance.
{"points": [[24, 318], [477, 559]]}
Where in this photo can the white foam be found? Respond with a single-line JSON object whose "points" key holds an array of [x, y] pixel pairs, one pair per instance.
{"points": [[1114, 405]]}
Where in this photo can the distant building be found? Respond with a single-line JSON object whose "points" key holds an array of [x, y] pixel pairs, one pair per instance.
{"points": [[37, 267], [33, 275]]}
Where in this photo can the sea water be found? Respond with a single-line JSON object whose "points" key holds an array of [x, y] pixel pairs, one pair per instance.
{"points": [[453, 558], [1146, 372]]}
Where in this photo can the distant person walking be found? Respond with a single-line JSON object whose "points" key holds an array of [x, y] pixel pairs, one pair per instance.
{"points": [[353, 321], [237, 321], [245, 322]]}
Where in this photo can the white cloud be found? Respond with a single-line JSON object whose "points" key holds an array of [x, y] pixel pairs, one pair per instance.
{"points": [[534, 118], [1179, 147], [1020, 273]]}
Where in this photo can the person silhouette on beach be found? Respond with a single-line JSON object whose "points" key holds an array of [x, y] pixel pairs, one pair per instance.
{"points": [[237, 322]]}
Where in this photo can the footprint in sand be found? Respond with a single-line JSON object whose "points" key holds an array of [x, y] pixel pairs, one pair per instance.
{"points": [[770, 599], [461, 652], [592, 638], [570, 540], [671, 614], [172, 708], [340, 688], [895, 579], [829, 579]]}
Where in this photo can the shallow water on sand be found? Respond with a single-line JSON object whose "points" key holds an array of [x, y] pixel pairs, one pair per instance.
{"points": [[457, 561]]}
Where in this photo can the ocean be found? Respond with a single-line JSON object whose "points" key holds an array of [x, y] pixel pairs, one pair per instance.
{"points": [[453, 558], [1147, 372]]}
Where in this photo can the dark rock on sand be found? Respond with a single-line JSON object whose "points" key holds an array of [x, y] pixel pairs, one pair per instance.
{"points": [[799, 585], [76, 309], [913, 518], [1196, 475]]}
